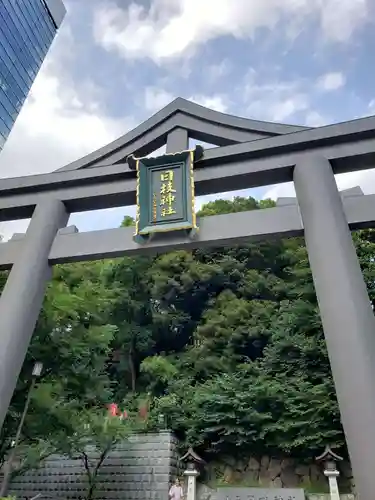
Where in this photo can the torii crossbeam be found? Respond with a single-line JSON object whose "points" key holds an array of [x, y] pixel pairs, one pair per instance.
{"points": [[250, 154]]}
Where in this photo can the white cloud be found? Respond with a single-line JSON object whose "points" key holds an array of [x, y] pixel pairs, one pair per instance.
{"points": [[170, 29], [340, 18], [280, 100], [216, 71], [283, 110], [156, 99], [56, 126], [315, 119], [279, 191], [274, 100], [61, 121], [215, 102], [331, 81], [365, 179]]}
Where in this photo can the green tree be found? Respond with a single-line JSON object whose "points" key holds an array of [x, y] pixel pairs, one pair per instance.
{"points": [[73, 340], [131, 312], [246, 354], [3, 278], [227, 343], [93, 435]]}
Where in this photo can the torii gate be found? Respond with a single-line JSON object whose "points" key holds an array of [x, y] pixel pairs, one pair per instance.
{"points": [[250, 154]]}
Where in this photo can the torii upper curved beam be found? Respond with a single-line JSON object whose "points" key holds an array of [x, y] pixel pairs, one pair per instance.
{"points": [[201, 123]]}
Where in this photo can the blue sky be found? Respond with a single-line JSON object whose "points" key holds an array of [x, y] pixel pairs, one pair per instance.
{"points": [[114, 63]]}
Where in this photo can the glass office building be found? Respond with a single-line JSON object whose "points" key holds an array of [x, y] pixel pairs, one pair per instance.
{"points": [[27, 29]]}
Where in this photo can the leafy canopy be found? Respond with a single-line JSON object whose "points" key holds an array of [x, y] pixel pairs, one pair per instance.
{"points": [[226, 343]]}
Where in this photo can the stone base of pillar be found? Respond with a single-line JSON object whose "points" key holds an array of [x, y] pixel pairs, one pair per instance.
{"points": [[191, 489]]}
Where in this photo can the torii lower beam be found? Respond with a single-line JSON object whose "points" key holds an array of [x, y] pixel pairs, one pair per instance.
{"points": [[218, 230]]}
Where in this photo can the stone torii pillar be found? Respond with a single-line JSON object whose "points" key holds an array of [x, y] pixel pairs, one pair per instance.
{"points": [[345, 309], [23, 294]]}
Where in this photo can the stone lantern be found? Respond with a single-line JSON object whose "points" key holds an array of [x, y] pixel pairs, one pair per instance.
{"points": [[193, 465], [329, 460]]}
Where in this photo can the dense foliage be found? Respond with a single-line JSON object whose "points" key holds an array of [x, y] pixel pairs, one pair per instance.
{"points": [[226, 343]]}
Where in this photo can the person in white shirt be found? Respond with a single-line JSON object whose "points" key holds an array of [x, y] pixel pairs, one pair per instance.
{"points": [[176, 493]]}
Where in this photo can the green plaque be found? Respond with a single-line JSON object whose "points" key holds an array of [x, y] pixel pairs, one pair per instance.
{"points": [[165, 193]]}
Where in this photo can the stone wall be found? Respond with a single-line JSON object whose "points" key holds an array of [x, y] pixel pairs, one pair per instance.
{"points": [[272, 472], [349, 496], [143, 468], [140, 469], [206, 493]]}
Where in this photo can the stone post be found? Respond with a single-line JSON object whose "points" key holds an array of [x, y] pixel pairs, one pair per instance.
{"points": [[332, 481], [177, 140], [191, 491], [329, 458], [194, 462]]}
